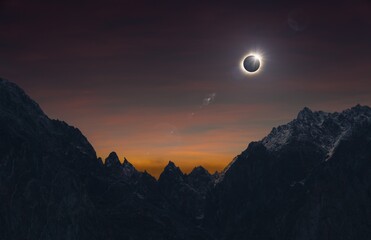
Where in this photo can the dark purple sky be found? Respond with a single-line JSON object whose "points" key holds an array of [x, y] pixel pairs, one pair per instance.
{"points": [[134, 77]]}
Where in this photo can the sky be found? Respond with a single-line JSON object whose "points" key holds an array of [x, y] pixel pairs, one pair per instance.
{"points": [[161, 80]]}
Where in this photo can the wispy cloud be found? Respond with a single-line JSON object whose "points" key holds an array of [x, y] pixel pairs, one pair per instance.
{"points": [[210, 98]]}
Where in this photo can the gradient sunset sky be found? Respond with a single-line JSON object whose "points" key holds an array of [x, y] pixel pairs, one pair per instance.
{"points": [[161, 80]]}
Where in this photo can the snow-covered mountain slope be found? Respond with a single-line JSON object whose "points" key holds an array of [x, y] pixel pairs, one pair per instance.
{"points": [[321, 128], [307, 180]]}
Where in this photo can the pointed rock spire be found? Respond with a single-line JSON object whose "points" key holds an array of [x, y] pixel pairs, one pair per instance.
{"points": [[171, 167], [171, 173], [199, 171], [128, 169], [112, 160], [100, 161], [305, 113], [200, 179]]}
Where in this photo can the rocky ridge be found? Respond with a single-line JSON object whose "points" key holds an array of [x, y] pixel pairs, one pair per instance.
{"points": [[308, 179]]}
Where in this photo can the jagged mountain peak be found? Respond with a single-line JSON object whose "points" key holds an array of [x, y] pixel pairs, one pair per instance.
{"points": [[100, 161], [321, 128], [23, 120], [200, 179], [127, 165], [359, 107], [171, 167], [126, 162], [13, 99], [171, 173], [307, 115], [112, 160], [124, 170], [318, 161], [113, 154], [199, 170], [128, 169], [50, 178], [305, 112]]}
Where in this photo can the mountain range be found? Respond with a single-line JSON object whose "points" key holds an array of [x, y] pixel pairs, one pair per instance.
{"points": [[309, 179]]}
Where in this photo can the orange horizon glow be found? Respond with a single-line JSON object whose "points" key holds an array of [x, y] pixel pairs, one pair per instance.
{"points": [[155, 166], [188, 141], [166, 82], [209, 136]]}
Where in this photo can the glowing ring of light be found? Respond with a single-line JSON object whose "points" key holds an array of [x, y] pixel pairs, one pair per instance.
{"points": [[257, 56]]}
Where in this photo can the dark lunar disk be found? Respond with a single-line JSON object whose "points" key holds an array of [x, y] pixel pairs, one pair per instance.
{"points": [[251, 63]]}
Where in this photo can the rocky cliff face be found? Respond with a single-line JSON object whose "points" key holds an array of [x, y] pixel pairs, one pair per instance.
{"points": [[186, 193], [52, 186], [308, 179], [44, 168]]}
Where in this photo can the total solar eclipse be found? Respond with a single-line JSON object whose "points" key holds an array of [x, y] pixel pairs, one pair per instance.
{"points": [[251, 63]]}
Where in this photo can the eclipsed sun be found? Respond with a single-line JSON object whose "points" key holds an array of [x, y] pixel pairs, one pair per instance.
{"points": [[251, 63]]}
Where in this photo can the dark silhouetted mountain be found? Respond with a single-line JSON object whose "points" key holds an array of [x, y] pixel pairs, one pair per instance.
{"points": [[308, 179], [186, 193], [128, 170], [44, 168], [113, 164], [52, 186], [113, 161], [200, 180]]}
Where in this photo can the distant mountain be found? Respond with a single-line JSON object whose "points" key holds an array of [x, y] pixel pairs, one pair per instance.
{"points": [[187, 193], [309, 179], [52, 186], [45, 166]]}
